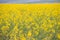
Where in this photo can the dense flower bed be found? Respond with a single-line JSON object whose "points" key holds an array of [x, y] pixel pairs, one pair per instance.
{"points": [[30, 22]]}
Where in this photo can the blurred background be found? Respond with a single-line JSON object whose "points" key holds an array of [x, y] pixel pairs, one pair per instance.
{"points": [[29, 1]]}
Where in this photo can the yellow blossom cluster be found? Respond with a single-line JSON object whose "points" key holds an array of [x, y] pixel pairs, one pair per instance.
{"points": [[29, 21]]}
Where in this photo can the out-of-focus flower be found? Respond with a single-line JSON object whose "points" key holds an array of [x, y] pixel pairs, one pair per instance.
{"points": [[58, 35]]}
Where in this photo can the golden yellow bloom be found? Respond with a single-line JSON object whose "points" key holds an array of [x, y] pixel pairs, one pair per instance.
{"points": [[50, 25], [29, 34], [58, 35], [16, 29], [23, 38], [53, 30], [59, 23]]}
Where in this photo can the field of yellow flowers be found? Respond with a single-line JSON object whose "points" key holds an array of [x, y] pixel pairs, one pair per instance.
{"points": [[29, 21]]}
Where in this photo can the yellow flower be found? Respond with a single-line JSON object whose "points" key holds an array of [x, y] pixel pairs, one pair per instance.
{"points": [[59, 23], [23, 38], [28, 26], [21, 31], [29, 33], [30, 19], [50, 25], [45, 29], [58, 35], [53, 30], [16, 29], [15, 37], [7, 23], [11, 34]]}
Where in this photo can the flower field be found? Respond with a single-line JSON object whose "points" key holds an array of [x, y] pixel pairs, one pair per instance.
{"points": [[29, 21]]}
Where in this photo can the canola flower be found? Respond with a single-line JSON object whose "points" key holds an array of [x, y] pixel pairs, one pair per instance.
{"points": [[30, 22]]}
